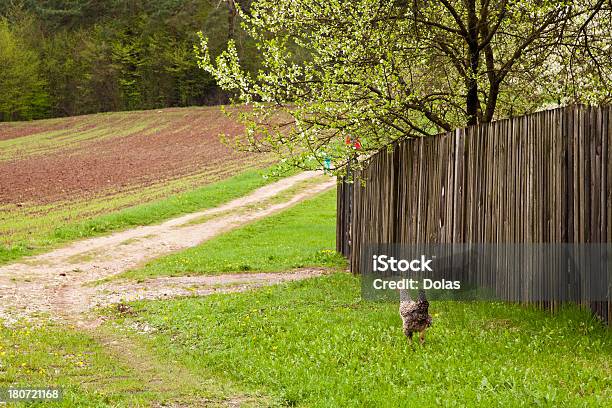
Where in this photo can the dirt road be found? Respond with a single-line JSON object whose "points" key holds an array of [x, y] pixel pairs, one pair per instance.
{"points": [[58, 284]]}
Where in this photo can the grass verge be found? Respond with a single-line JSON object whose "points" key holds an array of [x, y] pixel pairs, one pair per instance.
{"points": [[301, 236], [316, 343]]}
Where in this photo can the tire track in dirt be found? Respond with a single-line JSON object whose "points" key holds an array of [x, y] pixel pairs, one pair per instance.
{"points": [[57, 284]]}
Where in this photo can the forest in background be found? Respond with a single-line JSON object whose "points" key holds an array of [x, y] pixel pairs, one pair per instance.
{"points": [[73, 57]]}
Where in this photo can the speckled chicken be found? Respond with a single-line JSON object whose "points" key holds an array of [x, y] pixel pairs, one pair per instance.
{"points": [[415, 315]]}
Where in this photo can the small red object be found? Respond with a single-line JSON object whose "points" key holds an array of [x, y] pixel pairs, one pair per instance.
{"points": [[355, 143]]}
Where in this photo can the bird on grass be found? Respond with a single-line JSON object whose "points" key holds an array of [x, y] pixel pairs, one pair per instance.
{"points": [[415, 314]]}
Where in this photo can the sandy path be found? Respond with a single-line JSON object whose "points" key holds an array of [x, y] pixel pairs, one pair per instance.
{"points": [[55, 283]]}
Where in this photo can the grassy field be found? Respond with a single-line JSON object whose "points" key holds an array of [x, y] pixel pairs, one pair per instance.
{"points": [[316, 343], [299, 237]]}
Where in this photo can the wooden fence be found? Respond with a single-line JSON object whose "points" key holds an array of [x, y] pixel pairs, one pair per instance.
{"points": [[540, 178]]}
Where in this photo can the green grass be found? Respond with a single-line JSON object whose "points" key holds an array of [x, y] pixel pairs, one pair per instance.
{"points": [[316, 343], [53, 226], [53, 356], [93, 374], [301, 236]]}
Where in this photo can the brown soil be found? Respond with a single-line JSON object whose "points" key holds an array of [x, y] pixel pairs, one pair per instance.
{"points": [[177, 143], [15, 130]]}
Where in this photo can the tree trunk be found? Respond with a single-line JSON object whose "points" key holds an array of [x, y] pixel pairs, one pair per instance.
{"points": [[472, 102], [232, 13], [491, 101]]}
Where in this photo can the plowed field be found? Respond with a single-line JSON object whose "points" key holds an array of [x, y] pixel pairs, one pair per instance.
{"points": [[83, 157]]}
